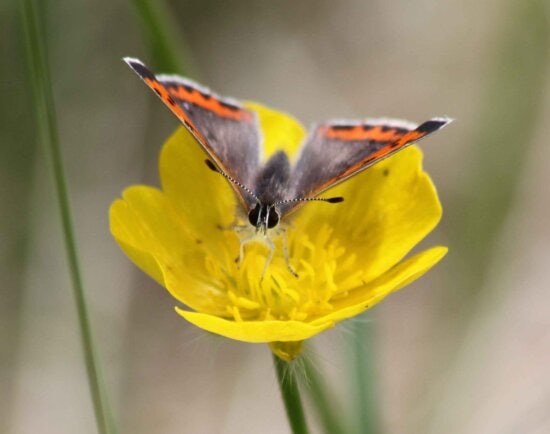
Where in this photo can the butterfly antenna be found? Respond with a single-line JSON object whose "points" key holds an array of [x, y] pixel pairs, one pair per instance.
{"points": [[336, 199], [243, 187]]}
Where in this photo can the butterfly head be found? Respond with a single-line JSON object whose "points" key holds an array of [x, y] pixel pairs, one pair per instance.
{"points": [[263, 217]]}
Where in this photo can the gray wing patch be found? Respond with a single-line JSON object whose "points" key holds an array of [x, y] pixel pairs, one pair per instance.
{"points": [[230, 130]]}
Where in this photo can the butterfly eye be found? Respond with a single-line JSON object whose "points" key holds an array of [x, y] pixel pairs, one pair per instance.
{"points": [[254, 214], [273, 219]]}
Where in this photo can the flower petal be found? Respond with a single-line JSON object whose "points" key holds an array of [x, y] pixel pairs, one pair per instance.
{"points": [[152, 233], [119, 214], [387, 210], [255, 331], [396, 278], [280, 131], [204, 198]]}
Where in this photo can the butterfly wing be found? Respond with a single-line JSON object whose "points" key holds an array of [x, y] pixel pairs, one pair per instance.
{"points": [[337, 150], [227, 131]]}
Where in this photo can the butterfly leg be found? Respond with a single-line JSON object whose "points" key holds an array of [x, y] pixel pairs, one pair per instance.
{"points": [[244, 242], [287, 256], [237, 227], [270, 246]]}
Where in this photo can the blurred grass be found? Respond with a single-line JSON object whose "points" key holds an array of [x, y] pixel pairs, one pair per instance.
{"points": [[502, 144], [506, 128], [48, 135], [362, 376], [329, 413], [168, 49], [17, 158]]}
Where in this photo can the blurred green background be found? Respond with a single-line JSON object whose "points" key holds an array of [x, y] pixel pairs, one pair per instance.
{"points": [[464, 350]]}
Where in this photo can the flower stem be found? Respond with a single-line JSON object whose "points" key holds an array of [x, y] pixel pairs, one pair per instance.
{"points": [[47, 128], [291, 396]]}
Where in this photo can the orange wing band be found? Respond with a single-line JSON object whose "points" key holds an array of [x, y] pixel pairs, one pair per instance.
{"points": [[169, 101], [209, 103], [360, 132]]}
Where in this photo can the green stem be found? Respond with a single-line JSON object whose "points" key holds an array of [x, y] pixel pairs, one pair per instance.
{"points": [[291, 396], [47, 128]]}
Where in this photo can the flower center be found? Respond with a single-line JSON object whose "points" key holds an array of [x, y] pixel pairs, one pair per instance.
{"points": [[326, 272]]}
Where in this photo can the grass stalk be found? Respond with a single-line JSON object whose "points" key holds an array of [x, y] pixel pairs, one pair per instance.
{"points": [[168, 49], [48, 134]]}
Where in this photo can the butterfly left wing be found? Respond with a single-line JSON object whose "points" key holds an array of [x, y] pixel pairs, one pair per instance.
{"points": [[337, 150], [227, 131]]}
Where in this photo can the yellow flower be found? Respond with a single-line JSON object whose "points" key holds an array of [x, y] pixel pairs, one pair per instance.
{"points": [[348, 256]]}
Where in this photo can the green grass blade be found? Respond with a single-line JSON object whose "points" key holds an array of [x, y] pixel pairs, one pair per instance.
{"points": [[162, 37], [47, 130]]}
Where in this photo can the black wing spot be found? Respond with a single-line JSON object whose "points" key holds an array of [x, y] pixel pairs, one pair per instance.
{"points": [[211, 166], [171, 100], [386, 172], [205, 95], [142, 70], [157, 91], [229, 106], [342, 127], [430, 126]]}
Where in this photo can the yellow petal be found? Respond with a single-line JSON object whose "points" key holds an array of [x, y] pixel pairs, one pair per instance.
{"points": [[120, 214], [145, 219], [255, 331], [280, 131], [387, 210], [153, 234], [399, 276], [203, 197]]}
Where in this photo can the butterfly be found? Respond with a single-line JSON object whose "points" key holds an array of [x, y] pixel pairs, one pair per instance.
{"points": [[229, 133]]}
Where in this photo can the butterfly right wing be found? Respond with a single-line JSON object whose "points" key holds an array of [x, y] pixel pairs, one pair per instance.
{"points": [[337, 150], [228, 132]]}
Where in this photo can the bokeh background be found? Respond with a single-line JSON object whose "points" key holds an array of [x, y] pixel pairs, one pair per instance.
{"points": [[466, 349]]}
